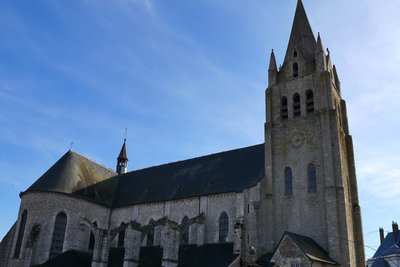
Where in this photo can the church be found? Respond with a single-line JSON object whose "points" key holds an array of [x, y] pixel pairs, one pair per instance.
{"points": [[291, 201]]}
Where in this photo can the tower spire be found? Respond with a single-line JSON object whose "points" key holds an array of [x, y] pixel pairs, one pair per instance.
{"points": [[122, 160], [301, 38], [320, 58], [272, 71]]}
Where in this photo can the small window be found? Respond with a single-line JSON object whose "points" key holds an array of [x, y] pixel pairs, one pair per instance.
{"points": [[296, 105], [310, 101], [294, 53], [184, 236], [284, 108], [223, 227], [295, 69], [21, 232], [312, 178], [121, 237], [295, 264], [150, 235], [288, 182], [57, 242]]}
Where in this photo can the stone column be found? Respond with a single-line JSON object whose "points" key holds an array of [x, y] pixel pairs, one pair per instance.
{"points": [[170, 246], [200, 234], [97, 248], [132, 247], [238, 236], [105, 250], [193, 233], [157, 235]]}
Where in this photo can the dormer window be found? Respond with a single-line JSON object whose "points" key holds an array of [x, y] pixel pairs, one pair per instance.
{"points": [[296, 105], [295, 69]]}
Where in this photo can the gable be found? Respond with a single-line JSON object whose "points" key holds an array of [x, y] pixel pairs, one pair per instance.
{"points": [[287, 253]]}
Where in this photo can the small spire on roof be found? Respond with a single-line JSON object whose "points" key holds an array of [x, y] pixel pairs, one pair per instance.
{"points": [[319, 48], [272, 61], [122, 160]]}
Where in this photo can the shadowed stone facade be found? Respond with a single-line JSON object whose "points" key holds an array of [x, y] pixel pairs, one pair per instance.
{"points": [[291, 201]]}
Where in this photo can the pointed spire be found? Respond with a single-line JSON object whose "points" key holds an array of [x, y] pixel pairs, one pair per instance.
{"points": [[336, 77], [122, 154], [272, 61], [122, 160], [301, 38], [320, 58], [319, 48], [272, 71]]}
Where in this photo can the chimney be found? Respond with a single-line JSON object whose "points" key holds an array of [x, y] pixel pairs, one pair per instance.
{"points": [[395, 228], [381, 234]]}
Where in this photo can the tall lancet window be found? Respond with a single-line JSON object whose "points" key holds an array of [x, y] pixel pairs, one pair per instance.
{"points": [[150, 234], [121, 237], [288, 182], [92, 239], [295, 69], [21, 232], [312, 178], [296, 105], [310, 101], [57, 241], [184, 235], [223, 228], [284, 108]]}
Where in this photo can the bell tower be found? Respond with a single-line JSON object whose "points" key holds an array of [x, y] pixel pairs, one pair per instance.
{"points": [[310, 186]]}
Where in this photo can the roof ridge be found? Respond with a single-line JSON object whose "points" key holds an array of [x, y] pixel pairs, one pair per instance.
{"points": [[199, 157]]}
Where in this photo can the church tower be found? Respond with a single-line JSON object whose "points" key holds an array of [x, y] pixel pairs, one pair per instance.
{"points": [[310, 186]]}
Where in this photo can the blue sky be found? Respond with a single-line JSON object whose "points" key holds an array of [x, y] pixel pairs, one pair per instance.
{"points": [[187, 78]]}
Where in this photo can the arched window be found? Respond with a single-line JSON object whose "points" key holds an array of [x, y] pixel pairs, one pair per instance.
{"points": [[184, 236], [21, 232], [223, 227], [310, 101], [295, 69], [92, 238], [150, 235], [312, 178], [284, 108], [288, 182], [294, 52], [121, 237], [296, 105], [57, 241]]}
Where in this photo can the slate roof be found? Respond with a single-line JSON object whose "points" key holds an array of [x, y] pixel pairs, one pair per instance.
{"points": [[310, 248], [389, 246], [229, 171], [71, 173], [208, 255], [380, 262], [69, 258]]}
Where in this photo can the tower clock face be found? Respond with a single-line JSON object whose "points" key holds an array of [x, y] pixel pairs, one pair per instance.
{"points": [[297, 140]]}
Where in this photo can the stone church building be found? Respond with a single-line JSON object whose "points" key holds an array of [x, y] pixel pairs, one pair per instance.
{"points": [[290, 201]]}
